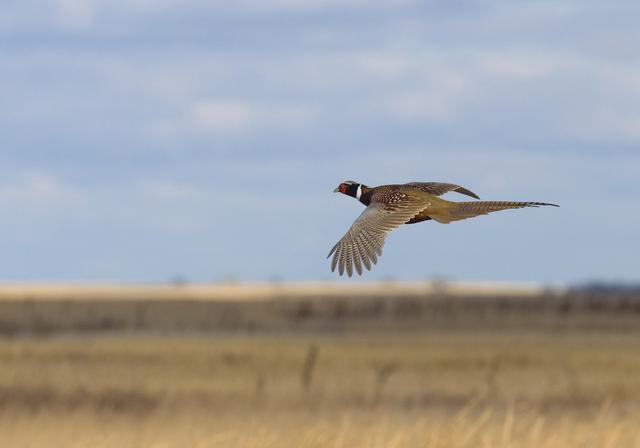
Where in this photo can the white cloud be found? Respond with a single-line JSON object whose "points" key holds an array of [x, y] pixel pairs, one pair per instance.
{"points": [[519, 66], [223, 115], [76, 14], [38, 189], [168, 191], [388, 66], [438, 100], [236, 115], [436, 86], [318, 4], [422, 105], [87, 14], [229, 116], [611, 125]]}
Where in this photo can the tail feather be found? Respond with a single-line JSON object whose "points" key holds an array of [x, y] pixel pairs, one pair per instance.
{"points": [[464, 210]]}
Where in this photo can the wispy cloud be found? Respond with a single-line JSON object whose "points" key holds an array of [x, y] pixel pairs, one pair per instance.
{"points": [[38, 189], [232, 117], [76, 14], [436, 104], [223, 115], [169, 191]]}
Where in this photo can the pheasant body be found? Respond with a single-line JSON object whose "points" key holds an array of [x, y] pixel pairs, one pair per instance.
{"points": [[389, 206]]}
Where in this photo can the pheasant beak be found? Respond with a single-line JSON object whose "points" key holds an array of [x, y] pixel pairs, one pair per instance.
{"points": [[336, 190]]}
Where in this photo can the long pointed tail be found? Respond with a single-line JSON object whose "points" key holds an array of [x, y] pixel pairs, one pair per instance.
{"points": [[464, 210]]}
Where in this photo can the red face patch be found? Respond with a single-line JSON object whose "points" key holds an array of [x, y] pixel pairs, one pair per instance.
{"points": [[342, 188]]}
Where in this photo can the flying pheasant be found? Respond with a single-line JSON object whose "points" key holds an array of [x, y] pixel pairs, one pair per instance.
{"points": [[389, 206]]}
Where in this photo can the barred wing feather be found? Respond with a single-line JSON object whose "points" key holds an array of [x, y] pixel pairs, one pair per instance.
{"points": [[440, 188], [363, 243]]}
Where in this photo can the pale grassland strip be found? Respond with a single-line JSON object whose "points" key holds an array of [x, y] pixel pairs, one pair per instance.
{"points": [[256, 291]]}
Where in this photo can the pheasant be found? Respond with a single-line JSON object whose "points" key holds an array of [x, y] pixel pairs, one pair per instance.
{"points": [[390, 206]]}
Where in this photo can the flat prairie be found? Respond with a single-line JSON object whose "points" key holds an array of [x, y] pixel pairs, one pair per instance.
{"points": [[420, 388]]}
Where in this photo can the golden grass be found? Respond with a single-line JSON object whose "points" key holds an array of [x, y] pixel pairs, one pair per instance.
{"points": [[427, 389], [354, 429]]}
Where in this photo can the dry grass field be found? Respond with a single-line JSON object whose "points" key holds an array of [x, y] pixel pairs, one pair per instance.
{"points": [[430, 388], [45, 310]]}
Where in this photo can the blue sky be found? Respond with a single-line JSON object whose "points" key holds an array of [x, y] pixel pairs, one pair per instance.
{"points": [[148, 139]]}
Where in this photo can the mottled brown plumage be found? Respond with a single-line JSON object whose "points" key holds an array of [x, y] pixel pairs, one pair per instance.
{"points": [[390, 206]]}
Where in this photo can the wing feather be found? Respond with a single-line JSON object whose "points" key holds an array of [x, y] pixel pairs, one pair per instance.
{"points": [[366, 260], [440, 188], [359, 250], [363, 242]]}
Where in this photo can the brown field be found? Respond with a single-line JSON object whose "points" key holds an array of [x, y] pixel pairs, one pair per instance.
{"points": [[556, 381], [326, 307]]}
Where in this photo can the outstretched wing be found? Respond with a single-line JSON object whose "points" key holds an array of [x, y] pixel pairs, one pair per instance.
{"points": [[439, 188], [362, 244]]}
